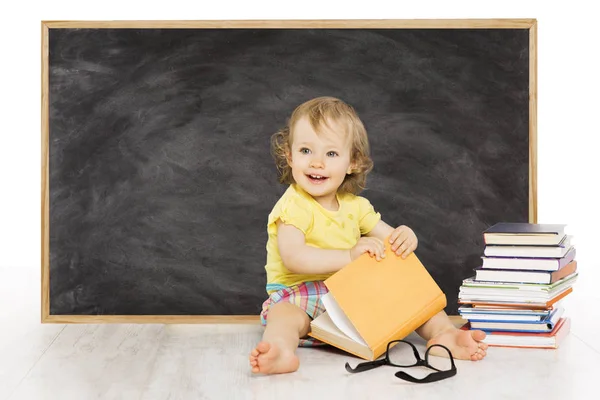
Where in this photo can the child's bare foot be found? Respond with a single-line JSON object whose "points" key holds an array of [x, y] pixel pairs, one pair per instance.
{"points": [[464, 345], [268, 358]]}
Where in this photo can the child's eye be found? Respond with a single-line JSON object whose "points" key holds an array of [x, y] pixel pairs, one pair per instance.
{"points": [[304, 150], [332, 154]]}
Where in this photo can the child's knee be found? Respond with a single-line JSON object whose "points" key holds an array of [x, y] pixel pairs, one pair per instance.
{"points": [[288, 313], [288, 310]]}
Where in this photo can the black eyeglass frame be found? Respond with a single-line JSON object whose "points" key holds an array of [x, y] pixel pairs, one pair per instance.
{"points": [[432, 377]]}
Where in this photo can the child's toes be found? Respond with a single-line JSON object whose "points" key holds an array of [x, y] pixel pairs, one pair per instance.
{"points": [[262, 347], [478, 355]]}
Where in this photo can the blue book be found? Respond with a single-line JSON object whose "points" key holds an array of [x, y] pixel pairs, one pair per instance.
{"points": [[544, 325], [495, 315]]}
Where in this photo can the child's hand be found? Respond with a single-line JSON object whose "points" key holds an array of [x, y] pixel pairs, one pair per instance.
{"points": [[403, 241], [370, 245]]}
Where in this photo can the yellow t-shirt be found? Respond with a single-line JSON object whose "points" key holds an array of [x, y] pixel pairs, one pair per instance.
{"points": [[322, 228]]}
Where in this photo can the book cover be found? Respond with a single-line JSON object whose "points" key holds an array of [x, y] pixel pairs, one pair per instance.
{"points": [[525, 276], [521, 233], [538, 264], [541, 340], [381, 300], [484, 295], [531, 304], [546, 287], [549, 316], [470, 313], [546, 251], [545, 325], [526, 228], [467, 309]]}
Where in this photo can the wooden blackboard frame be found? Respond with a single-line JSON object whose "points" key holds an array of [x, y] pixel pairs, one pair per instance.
{"points": [[529, 24]]}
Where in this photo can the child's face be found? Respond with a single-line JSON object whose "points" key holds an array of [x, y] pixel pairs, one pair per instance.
{"points": [[320, 162]]}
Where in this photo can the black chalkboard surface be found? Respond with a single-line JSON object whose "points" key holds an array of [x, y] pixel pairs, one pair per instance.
{"points": [[159, 173]]}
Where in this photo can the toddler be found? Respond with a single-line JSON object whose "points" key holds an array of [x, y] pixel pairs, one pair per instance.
{"points": [[320, 225]]}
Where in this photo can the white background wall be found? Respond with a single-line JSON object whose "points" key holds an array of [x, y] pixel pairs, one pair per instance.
{"points": [[568, 108]]}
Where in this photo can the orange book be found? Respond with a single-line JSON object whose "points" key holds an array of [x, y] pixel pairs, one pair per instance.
{"points": [[370, 303]]}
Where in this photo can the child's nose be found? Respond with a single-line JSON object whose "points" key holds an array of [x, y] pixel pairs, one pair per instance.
{"points": [[316, 162]]}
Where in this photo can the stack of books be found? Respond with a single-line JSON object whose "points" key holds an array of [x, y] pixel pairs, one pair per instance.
{"points": [[515, 296]]}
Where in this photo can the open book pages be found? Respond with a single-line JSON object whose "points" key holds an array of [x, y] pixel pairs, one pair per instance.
{"points": [[327, 331], [334, 327], [340, 320]]}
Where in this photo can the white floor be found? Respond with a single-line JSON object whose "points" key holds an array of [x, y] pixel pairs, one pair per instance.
{"points": [[131, 361]]}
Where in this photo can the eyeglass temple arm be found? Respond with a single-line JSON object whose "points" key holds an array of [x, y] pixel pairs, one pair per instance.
{"points": [[433, 377], [365, 366]]}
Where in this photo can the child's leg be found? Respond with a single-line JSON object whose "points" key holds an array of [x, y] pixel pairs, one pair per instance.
{"points": [[464, 345], [276, 353]]}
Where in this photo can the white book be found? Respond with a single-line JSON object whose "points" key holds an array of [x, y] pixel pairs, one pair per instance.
{"points": [[539, 294], [531, 287], [547, 340], [538, 264], [557, 251], [465, 310], [541, 277], [501, 317], [521, 233], [526, 298]]}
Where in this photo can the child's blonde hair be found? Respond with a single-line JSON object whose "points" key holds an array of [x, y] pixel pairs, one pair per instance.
{"points": [[319, 111]]}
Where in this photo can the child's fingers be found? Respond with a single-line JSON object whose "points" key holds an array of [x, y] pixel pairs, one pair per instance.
{"points": [[378, 252], [375, 251], [400, 245], [409, 250], [395, 234], [370, 251], [375, 246], [402, 237], [380, 247]]}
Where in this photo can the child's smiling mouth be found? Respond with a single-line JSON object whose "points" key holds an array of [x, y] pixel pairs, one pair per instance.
{"points": [[316, 178]]}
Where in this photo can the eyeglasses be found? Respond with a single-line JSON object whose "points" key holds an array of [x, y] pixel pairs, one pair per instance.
{"points": [[401, 358]]}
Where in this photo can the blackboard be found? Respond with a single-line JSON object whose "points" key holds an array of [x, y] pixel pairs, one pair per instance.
{"points": [[157, 177]]}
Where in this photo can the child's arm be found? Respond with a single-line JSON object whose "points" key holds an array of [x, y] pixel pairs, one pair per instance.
{"points": [[300, 258], [403, 239]]}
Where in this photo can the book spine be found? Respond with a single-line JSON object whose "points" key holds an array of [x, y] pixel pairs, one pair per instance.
{"points": [[339, 346], [404, 329], [570, 256], [563, 272]]}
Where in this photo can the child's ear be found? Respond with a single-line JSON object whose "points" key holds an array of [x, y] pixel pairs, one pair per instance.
{"points": [[351, 169], [288, 156]]}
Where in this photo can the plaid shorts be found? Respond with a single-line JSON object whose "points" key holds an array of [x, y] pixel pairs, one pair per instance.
{"points": [[307, 296]]}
